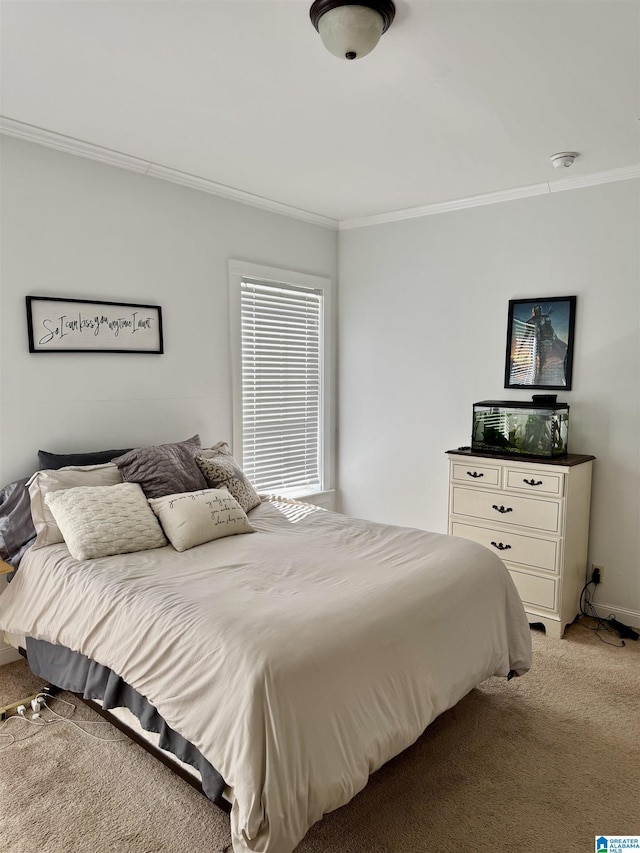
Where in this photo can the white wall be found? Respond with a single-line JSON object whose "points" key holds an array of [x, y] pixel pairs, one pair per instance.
{"points": [[74, 227], [422, 334]]}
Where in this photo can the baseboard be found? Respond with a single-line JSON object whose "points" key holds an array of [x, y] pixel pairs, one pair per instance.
{"points": [[627, 617], [8, 654]]}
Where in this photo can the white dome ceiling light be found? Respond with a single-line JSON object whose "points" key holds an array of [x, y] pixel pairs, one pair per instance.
{"points": [[351, 30], [564, 159]]}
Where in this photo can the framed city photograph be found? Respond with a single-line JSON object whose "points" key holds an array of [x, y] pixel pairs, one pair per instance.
{"points": [[83, 325], [540, 343]]}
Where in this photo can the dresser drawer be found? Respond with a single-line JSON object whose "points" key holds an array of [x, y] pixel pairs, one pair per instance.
{"points": [[535, 591], [483, 475], [513, 547], [534, 482], [511, 510]]}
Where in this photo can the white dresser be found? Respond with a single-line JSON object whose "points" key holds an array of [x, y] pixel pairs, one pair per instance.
{"points": [[535, 515]]}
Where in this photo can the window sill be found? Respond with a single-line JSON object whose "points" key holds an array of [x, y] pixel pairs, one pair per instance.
{"points": [[325, 499]]}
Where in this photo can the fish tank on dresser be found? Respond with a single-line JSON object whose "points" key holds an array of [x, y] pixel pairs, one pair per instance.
{"points": [[539, 427]]}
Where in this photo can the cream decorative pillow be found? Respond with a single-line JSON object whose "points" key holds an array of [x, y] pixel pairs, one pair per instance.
{"points": [[43, 482], [99, 521], [221, 471], [191, 518]]}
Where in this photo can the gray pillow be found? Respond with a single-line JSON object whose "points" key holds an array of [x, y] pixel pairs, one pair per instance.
{"points": [[164, 469], [223, 472]]}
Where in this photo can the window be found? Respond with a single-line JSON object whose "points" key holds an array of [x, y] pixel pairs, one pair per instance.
{"points": [[281, 364]]}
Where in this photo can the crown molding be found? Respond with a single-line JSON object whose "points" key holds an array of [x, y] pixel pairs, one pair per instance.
{"points": [[204, 185], [444, 207], [110, 157], [626, 173], [80, 148], [70, 145]]}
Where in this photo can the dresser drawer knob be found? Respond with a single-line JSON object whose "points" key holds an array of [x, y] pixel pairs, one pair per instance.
{"points": [[502, 508], [532, 482], [500, 546], [474, 474]]}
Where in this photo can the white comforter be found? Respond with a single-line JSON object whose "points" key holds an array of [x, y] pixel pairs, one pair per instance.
{"points": [[298, 659]]}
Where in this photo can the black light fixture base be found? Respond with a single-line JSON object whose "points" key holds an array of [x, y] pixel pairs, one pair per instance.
{"points": [[385, 8]]}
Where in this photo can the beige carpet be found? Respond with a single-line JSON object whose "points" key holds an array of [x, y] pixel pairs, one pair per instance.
{"points": [[540, 763]]}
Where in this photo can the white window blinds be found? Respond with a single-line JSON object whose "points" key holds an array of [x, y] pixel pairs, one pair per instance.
{"points": [[282, 346]]}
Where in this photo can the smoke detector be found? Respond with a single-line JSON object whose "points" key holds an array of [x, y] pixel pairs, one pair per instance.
{"points": [[564, 159]]}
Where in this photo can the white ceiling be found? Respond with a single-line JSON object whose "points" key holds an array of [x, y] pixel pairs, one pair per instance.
{"points": [[460, 98]]}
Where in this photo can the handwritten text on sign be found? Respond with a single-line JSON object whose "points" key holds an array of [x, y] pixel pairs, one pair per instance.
{"points": [[82, 325]]}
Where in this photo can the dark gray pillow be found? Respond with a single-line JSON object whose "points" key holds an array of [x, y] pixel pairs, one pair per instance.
{"points": [[53, 461], [164, 469], [17, 532]]}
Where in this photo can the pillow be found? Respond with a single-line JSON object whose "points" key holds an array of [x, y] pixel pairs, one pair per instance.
{"points": [[16, 525], [43, 482], [99, 521], [196, 517], [164, 469], [53, 461], [223, 472]]}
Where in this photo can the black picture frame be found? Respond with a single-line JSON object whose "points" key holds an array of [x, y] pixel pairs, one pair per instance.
{"points": [[540, 334], [57, 324]]}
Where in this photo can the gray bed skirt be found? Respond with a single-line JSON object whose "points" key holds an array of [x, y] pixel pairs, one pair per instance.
{"points": [[76, 673]]}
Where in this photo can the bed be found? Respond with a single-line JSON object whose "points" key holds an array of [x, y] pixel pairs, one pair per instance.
{"points": [[290, 659]]}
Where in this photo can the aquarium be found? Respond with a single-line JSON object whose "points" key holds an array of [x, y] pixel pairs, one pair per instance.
{"points": [[533, 428]]}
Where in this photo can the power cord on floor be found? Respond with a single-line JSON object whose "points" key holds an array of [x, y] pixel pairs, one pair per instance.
{"points": [[587, 609], [34, 717], [24, 718], [45, 698]]}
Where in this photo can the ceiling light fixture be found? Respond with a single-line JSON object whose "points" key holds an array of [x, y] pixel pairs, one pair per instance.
{"points": [[564, 159], [351, 30]]}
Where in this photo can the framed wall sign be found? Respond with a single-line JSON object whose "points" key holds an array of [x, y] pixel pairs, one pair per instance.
{"points": [[83, 325], [540, 343]]}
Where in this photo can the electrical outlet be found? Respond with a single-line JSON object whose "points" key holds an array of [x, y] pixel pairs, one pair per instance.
{"points": [[600, 569]]}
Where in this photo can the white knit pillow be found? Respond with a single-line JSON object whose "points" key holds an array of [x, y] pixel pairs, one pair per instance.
{"points": [[104, 520], [192, 518], [43, 482]]}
